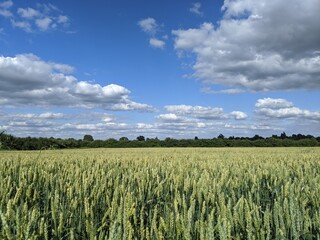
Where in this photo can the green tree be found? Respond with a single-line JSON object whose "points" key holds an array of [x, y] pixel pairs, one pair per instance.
{"points": [[88, 138], [123, 139], [141, 138], [221, 136]]}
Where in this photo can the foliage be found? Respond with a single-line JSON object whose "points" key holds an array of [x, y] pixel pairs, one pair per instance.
{"points": [[31, 143], [141, 138], [237, 193], [88, 138]]}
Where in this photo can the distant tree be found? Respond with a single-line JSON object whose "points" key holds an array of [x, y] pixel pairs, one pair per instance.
{"points": [[88, 138], [283, 135], [196, 138], [123, 139], [1, 144], [221, 136], [141, 138], [256, 137]]}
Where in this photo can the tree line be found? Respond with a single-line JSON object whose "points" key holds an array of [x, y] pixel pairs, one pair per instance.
{"points": [[11, 142]]}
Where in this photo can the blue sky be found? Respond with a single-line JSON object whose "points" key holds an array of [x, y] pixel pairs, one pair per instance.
{"points": [[159, 68]]}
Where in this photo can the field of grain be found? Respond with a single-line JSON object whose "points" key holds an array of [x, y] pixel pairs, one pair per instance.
{"points": [[238, 193]]}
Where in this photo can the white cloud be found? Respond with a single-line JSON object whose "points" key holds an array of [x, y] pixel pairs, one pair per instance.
{"points": [[44, 17], [292, 112], [148, 25], [24, 25], [43, 23], [28, 12], [196, 111], [6, 4], [281, 109], [169, 117], [258, 46], [208, 90], [4, 8], [5, 13], [62, 19], [51, 115], [273, 103], [25, 116], [196, 8], [104, 126], [154, 42], [239, 115], [28, 80], [252, 127]]}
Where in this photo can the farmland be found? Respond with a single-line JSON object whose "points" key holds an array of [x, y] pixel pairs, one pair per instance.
{"points": [[192, 193]]}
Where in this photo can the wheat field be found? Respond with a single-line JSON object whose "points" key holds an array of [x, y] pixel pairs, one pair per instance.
{"points": [[186, 193]]}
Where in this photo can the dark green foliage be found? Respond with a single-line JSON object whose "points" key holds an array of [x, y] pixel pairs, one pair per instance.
{"points": [[141, 138], [10, 142], [88, 138]]}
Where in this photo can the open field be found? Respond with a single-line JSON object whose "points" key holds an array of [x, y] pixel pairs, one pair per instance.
{"points": [[229, 193]]}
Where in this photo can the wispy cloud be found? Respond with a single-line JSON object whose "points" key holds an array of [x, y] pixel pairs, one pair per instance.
{"points": [[196, 8], [28, 12], [44, 17], [208, 90], [4, 9]]}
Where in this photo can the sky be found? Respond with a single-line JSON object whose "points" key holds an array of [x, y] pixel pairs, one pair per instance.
{"points": [[176, 69]]}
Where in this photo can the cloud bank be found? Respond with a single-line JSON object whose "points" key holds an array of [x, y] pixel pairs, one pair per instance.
{"points": [[282, 109], [26, 80], [258, 46]]}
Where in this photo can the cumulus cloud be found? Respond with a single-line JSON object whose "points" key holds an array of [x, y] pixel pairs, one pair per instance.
{"points": [[281, 109], [196, 9], [148, 25], [189, 121], [170, 117], [258, 46], [187, 113], [199, 112], [273, 103], [239, 115], [43, 23], [157, 43], [28, 80], [151, 27], [292, 112]]}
